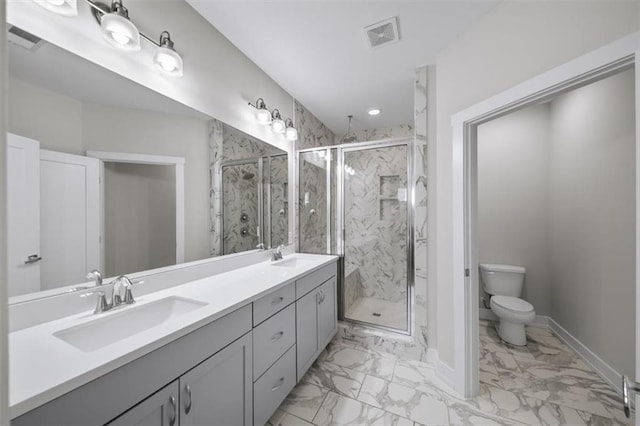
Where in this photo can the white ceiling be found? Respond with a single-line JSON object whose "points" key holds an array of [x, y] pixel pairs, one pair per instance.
{"points": [[316, 50]]}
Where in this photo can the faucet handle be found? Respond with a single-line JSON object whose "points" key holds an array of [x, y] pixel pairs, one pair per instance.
{"points": [[260, 246], [102, 304]]}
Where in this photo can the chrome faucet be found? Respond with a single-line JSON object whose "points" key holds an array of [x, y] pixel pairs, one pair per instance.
{"points": [[260, 246], [121, 295], [277, 253], [95, 276]]}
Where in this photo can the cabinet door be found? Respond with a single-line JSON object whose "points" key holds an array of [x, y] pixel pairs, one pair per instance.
{"points": [[307, 330], [327, 316], [219, 390], [160, 409]]}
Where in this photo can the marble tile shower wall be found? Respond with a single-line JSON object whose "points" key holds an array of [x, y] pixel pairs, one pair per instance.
{"points": [[420, 208], [313, 204], [240, 220], [375, 235], [279, 200], [226, 144]]}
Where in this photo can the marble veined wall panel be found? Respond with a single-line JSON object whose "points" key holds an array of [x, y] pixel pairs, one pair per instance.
{"points": [[279, 200], [240, 195], [313, 203], [420, 211], [312, 133], [376, 220]]}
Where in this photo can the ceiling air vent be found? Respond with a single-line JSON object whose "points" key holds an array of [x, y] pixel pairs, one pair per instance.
{"points": [[24, 39], [382, 33]]}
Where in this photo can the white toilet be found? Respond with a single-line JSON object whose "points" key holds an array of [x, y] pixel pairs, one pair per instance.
{"points": [[504, 284]]}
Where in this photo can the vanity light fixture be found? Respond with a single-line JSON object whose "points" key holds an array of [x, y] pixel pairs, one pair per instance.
{"points": [[166, 58], [277, 125], [120, 32], [61, 7], [118, 29], [262, 113], [374, 111], [291, 132]]}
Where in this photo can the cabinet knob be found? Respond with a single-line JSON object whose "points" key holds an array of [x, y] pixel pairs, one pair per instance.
{"points": [[277, 336], [172, 412], [188, 401], [277, 300]]}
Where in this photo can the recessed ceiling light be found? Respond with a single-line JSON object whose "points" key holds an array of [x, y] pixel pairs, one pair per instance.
{"points": [[374, 111]]}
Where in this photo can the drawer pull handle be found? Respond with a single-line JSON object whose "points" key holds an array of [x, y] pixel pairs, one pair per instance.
{"points": [[187, 403], [277, 300], [277, 336], [173, 413], [278, 384]]}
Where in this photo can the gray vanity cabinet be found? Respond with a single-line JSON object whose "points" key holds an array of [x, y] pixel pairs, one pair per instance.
{"points": [[216, 392], [160, 409], [219, 391], [316, 323]]}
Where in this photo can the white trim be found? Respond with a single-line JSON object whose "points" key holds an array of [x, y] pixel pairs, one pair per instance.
{"points": [[158, 160], [597, 364], [580, 71], [125, 157], [445, 373]]}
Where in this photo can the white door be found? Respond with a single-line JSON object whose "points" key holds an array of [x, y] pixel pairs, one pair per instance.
{"points": [[23, 215], [69, 218]]}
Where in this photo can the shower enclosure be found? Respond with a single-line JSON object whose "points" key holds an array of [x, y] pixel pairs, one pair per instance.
{"points": [[355, 201], [254, 203]]}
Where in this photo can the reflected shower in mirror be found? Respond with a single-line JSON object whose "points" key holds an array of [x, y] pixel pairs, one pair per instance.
{"points": [[107, 174]]}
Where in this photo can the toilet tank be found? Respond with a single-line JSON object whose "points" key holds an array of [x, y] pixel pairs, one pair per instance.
{"points": [[502, 280]]}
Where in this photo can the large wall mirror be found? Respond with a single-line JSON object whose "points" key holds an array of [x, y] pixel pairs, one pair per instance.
{"points": [[106, 174]]}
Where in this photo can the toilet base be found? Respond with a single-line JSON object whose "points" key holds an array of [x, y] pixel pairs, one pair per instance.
{"points": [[512, 333]]}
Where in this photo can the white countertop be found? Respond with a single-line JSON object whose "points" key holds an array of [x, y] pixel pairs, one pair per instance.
{"points": [[43, 367]]}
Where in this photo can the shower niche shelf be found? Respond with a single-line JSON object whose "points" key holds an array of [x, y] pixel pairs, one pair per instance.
{"points": [[388, 196]]}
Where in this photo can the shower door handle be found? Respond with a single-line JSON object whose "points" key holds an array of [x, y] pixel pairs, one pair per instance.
{"points": [[635, 387]]}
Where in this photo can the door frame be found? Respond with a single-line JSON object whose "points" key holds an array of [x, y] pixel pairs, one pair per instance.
{"points": [[157, 160], [588, 68]]}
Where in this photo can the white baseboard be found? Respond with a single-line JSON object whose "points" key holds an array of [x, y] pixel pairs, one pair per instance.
{"points": [[445, 373], [608, 373]]}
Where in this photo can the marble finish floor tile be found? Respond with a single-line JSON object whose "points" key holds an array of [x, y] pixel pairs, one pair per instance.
{"points": [[304, 401], [407, 402], [340, 410], [379, 312], [282, 418], [363, 381], [341, 380]]}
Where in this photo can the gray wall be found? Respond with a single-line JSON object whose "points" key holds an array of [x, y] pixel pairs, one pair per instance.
{"points": [[35, 113], [4, 359], [513, 194], [140, 217], [557, 194], [592, 238]]}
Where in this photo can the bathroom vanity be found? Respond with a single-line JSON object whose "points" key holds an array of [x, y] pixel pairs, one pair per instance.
{"points": [[225, 349]]}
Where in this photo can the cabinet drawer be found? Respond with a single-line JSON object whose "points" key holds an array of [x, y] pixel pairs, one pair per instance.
{"points": [[307, 283], [273, 387], [272, 338], [272, 303]]}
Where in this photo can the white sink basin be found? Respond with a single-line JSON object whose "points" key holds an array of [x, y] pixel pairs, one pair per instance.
{"points": [[120, 324], [292, 262]]}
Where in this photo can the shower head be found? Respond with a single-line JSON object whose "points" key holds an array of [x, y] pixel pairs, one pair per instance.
{"points": [[247, 175]]}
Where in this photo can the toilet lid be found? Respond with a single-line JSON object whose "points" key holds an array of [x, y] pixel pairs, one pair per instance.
{"points": [[514, 304]]}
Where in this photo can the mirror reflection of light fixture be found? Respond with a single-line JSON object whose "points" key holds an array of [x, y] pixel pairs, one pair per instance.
{"points": [[277, 125], [262, 113], [118, 30], [166, 58], [61, 7], [291, 132]]}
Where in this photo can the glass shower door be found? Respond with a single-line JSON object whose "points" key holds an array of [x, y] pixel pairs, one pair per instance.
{"points": [[241, 214], [376, 287]]}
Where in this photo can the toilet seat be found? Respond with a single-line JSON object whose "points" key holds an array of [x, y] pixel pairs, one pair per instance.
{"points": [[512, 304]]}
